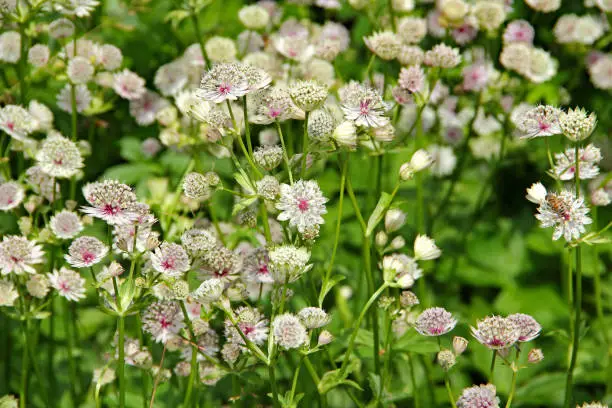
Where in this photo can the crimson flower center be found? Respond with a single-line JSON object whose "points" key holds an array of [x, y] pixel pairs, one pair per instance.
{"points": [[303, 205]]}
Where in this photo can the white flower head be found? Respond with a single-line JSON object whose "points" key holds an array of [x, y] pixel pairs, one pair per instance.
{"points": [[536, 193], [302, 204], [17, 255], [425, 248], [68, 283]]}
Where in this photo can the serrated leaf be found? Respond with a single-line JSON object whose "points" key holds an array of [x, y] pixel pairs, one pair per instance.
{"points": [[243, 204], [383, 203]]}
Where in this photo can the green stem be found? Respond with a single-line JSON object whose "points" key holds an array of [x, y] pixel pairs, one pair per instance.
{"points": [[415, 395], [492, 371], [272, 375], [266, 223], [21, 72], [71, 361], [74, 112], [577, 297], [338, 220], [285, 156], [25, 365], [198, 33], [304, 146], [121, 360], [295, 378], [351, 343], [247, 128], [449, 390], [240, 142], [193, 373], [369, 69]]}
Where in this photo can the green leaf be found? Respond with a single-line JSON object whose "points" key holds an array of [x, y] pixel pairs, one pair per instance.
{"points": [[243, 204], [543, 390], [133, 172], [415, 343], [328, 285], [383, 203], [130, 149]]}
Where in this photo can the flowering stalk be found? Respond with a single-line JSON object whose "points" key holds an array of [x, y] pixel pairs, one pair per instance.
{"points": [[285, 157], [351, 343], [121, 359], [198, 33], [304, 146], [193, 373], [577, 297], [344, 167]]}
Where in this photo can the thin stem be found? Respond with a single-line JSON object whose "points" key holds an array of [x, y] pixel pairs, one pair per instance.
{"points": [[74, 112], [25, 365], [272, 375], [304, 146], [449, 390], [198, 33], [415, 395], [367, 259], [369, 73], [121, 360], [71, 361], [194, 357], [577, 297], [157, 377], [247, 129], [515, 370], [492, 371], [285, 156], [21, 71], [266, 223], [240, 142], [338, 220], [365, 309], [295, 378]]}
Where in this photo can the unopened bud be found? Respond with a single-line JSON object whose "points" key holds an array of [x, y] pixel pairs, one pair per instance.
{"points": [[397, 243], [115, 269], [180, 289], [408, 299], [405, 172], [535, 356], [87, 220], [446, 359], [325, 338], [122, 245], [152, 242], [381, 239], [44, 235], [70, 205], [25, 225], [212, 178], [394, 219], [140, 282], [459, 345]]}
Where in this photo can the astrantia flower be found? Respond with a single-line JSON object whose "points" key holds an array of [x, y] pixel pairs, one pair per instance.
{"points": [[223, 82], [308, 95], [171, 78], [82, 97], [442, 56], [479, 396], [10, 47], [198, 242], [272, 105], [536, 193], [475, 77], [519, 31], [65, 224], [302, 204], [129, 85], [17, 255], [11, 195], [144, 109], [79, 8], [111, 201], [8, 293], [425, 248], [288, 263], [313, 317], [257, 78], [254, 17], [545, 6], [293, 47], [38, 55], [592, 405], [435, 321], [288, 331], [268, 157], [42, 114], [601, 72], [528, 327], [110, 57], [16, 122], [401, 269], [444, 160], [85, 252], [59, 157], [576, 124], [385, 44], [540, 121], [542, 66], [251, 323], [588, 158], [68, 283], [220, 49], [61, 28], [256, 266], [496, 332], [566, 213], [364, 106], [79, 70], [209, 291], [412, 79], [171, 260], [38, 285], [163, 321]]}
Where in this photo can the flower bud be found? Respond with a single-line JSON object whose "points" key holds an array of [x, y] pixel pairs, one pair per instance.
{"points": [[397, 243], [446, 359], [408, 299], [405, 172], [71, 205], [180, 289], [115, 269], [209, 291], [425, 248], [459, 345], [152, 242], [25, 225], [535, 356], [394, 219], [381, 239], [325, 338], [421, 160], [140, 282]]}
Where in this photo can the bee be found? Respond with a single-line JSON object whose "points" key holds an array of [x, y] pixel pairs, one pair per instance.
{"points": [[558, 205]]}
